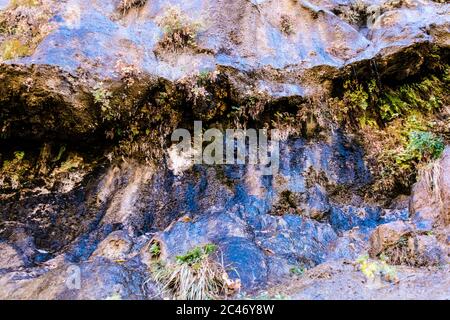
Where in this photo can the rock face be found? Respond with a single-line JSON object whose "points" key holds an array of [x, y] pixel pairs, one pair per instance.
{"points": [[94, 106], [387, 235]]}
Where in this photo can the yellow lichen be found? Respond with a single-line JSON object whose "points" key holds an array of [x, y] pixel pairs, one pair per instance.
{"points": [[14, 48]]}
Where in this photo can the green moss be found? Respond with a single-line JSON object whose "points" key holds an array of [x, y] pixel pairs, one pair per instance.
{"points": [[425, 96], [23, 30], [222, 177], [286, 25]]}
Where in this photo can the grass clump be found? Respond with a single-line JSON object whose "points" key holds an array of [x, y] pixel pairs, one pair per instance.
{"points": [[179, 31], [404, 252], [398, 253], [194, 276], [197, 254]]}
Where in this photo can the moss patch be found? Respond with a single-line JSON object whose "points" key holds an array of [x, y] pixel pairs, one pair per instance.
{"points": [[23, 25], [179, 31]]}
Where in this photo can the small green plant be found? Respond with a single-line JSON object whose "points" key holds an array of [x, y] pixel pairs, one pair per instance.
{"points": [[197, 254], [13, 49], [61, 151], [19, 155], [102, 97], [155, 249], [114, 296], [73, 162], [354, 103], [286, 123]]}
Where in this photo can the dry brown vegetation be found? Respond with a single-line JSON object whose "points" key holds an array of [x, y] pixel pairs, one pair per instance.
{"points": [[179, 31], [23, 25]]}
